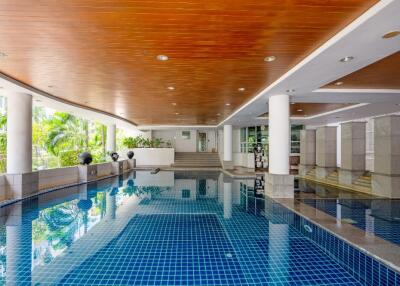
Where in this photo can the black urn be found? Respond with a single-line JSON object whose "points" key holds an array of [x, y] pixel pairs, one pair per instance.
{"points": [[85, 158], [85, 205], [130, 154], [114, 156]]}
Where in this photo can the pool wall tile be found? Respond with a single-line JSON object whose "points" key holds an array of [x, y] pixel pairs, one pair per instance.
{"points": [[367, 269]]}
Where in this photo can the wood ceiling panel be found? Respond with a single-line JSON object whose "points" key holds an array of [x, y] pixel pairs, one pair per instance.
{"points": [[102, 54], [383, 74], [299, 109]]}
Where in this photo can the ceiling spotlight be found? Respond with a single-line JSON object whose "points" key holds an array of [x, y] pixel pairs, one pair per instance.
{"points": [[227, 104], [391, 34], [50, 86], [173, 103], [241, 89], [176, 113], [299, 110], [339, 83], [269, 59], [292, 103], [218, 114], [162, 58], [290, 90], [171, 88], [346, 59]]}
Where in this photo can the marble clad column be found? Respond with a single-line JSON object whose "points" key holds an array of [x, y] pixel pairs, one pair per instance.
{"points": [[353, 140], [307, 151], [386, 175], [325, 151]]}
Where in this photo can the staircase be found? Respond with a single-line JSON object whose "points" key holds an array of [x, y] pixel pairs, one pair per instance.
{"points": [[363, 181], [333, 177], [311, 174], [189, 159]]}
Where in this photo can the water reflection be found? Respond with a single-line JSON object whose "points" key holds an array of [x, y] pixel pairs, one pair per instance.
{"points": [[170, 219], [376, 216]]}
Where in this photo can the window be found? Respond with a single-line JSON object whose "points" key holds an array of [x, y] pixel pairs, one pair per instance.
{"points": [[259, 134], [295, 138], [186, 135]]}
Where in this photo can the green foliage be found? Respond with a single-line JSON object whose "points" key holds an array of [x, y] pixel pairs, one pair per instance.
{"points": [[3, 144], [140, 142], [69, 158]]}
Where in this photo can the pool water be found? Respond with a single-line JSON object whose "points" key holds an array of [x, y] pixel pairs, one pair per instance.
{"points": [[375, 216], [170, 228]]}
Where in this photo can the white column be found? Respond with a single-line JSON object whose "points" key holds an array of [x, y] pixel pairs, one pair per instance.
{"points": [[279, 134], [111, 132], [228, 143], [227, 200], [19, 133]]}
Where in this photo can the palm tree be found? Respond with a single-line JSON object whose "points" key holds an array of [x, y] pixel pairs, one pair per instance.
{"points": [[66, 132]]}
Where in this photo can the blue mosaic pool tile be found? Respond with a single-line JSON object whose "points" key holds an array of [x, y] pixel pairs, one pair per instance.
{"points": [[361, 265]]}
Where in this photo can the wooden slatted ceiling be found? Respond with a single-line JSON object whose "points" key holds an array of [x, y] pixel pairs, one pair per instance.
{"points": [[102, 53], [383, 74]]}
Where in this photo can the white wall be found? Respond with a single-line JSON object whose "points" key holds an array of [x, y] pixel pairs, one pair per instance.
{"points": [[186, 145]]}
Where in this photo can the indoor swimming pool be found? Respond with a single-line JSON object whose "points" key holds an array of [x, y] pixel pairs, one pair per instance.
{"points": [[173, 228]]}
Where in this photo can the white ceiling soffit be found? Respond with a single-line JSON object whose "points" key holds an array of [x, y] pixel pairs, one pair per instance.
{"points": [[362, 39], [10, 86]]}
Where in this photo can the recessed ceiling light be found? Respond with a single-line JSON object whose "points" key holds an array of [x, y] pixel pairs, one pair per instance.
{"points": [[292, 103], [299, 110], [171, 88], [346, 59], [176, 113], [241, 89], [337, 116], [339, 83], [269, 59], [227, 104], [162, 58], [290, 90], [173, 103], [50, 86], [391, 34], [218, 114]]}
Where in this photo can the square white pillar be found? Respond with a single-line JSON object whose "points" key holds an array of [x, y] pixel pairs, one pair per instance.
{"points": [[386, 176], [325, 150], [307, 151], [353, 146]]}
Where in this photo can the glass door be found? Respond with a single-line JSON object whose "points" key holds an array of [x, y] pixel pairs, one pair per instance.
{"points": [[202, 142]]}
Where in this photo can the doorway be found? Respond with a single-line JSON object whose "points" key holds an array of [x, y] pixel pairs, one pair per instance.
{"points": [[202, 142]]}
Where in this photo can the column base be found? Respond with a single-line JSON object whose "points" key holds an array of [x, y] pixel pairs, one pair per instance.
{"points": [[131, 163], [323, 172], [87, 173], [117, 168], [20, 186], [386, 185], [227, 165], [304, 169], [279, 186], [347, 177]]}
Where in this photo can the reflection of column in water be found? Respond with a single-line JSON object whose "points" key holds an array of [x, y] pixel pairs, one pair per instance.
{"points": [[338, 213], [111, 203], [227, 200], [19, 250], [369, 222], [278, 252]]}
